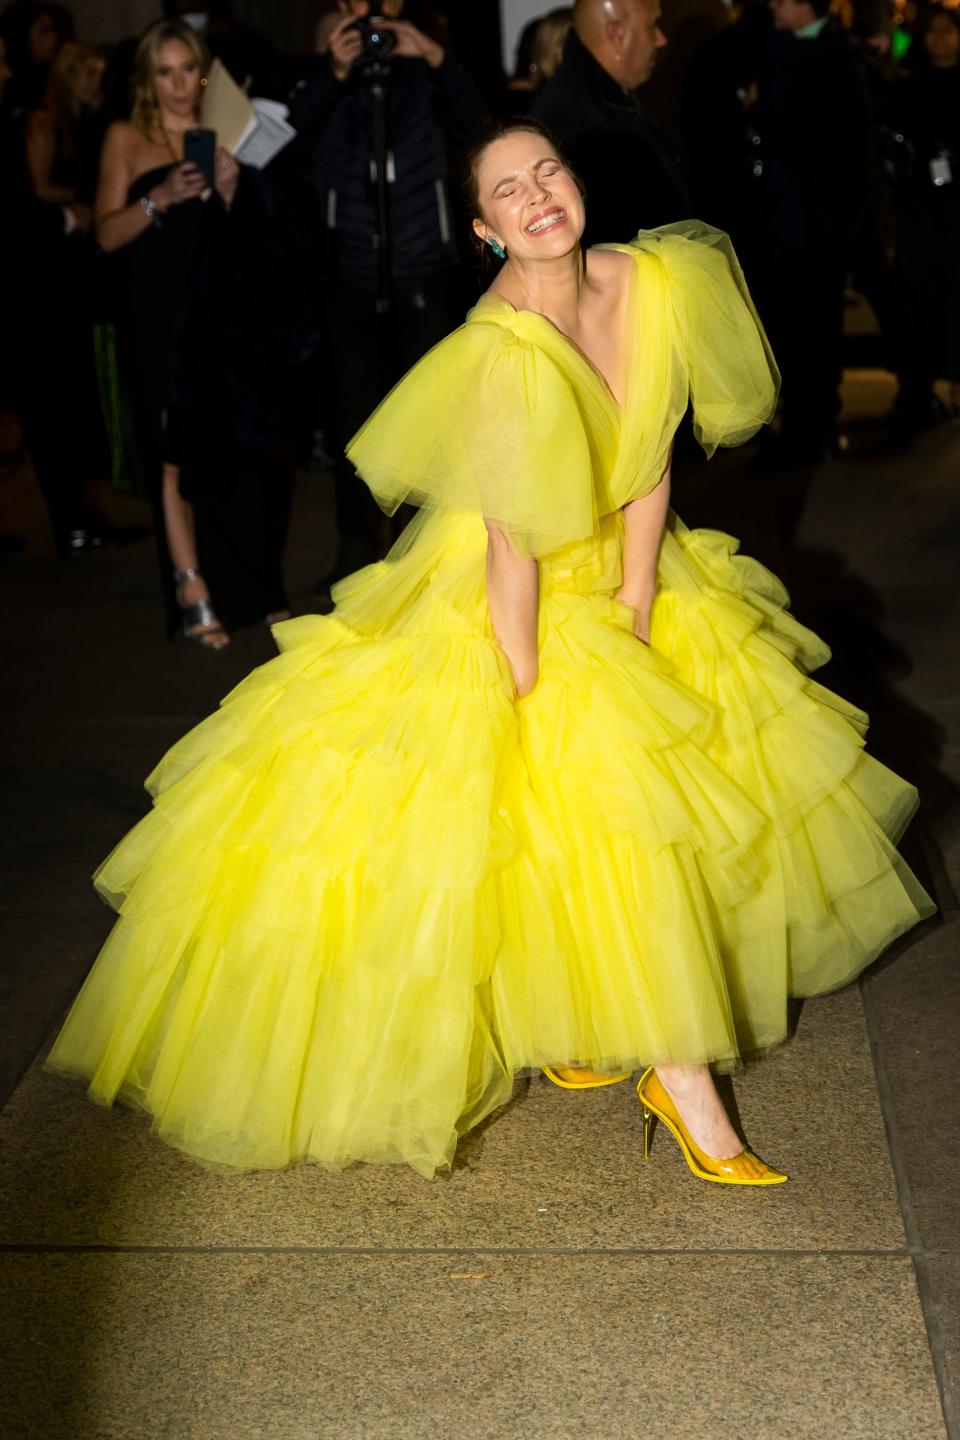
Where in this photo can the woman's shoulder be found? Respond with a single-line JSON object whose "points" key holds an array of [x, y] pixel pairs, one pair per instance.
{"points": [[608, 263], [123, 140]]}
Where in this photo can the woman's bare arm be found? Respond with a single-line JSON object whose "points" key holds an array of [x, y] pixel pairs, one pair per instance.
{"points": [[117, 223], [644, 520], [41, 152], [513, 595]]}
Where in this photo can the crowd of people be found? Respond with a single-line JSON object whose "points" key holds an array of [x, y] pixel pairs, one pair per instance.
{"points": [[186, 336]]}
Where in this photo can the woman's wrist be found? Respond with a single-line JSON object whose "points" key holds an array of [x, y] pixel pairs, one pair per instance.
{"points": [[158, 199], [638, 597]]}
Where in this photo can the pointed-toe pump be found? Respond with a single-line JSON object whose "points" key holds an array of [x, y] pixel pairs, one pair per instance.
{"points": [[576, 1077], [741, 1169]]}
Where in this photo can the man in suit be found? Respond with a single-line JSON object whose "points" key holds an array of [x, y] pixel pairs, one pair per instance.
{"points": [[593, 106]]}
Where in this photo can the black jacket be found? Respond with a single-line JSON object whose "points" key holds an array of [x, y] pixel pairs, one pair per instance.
{"points": [[818, 140], [632, 179], [427, 111]]}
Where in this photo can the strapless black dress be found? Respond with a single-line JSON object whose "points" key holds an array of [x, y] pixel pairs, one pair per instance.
{"points": [[203, 355]]}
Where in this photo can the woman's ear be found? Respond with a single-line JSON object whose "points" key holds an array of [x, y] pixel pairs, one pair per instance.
{"points": [[480, 230]]}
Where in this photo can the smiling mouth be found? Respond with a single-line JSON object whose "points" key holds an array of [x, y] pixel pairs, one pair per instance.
{"points": [[547, 222]]}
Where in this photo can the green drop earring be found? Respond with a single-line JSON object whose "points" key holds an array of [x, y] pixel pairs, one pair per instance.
{"points": [[497, 248]]}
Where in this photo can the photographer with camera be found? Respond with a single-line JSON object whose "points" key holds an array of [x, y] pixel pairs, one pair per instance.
{"points": [[382, 107]]}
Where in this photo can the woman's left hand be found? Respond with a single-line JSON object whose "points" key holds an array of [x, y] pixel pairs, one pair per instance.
{"points": [[226, 175]]}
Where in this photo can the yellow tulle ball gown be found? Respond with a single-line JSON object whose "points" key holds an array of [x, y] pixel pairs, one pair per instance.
{"points": [[374, 886]]}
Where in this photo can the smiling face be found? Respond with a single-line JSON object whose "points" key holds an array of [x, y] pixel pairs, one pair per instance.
{"points": [[176, 79], [529, 200]]}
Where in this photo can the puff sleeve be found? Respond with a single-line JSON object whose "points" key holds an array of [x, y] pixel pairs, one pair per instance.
{"points": [[486, 423], [732, 376]]}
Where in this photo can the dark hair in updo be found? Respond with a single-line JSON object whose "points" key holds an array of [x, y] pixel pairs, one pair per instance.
{"points": [[488, 133]]}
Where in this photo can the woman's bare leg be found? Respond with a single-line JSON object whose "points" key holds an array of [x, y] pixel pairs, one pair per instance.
{"points": [[182, 544], [702, 1111]]}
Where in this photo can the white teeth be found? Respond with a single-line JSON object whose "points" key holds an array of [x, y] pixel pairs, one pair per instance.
{"points": [[542, 224]]}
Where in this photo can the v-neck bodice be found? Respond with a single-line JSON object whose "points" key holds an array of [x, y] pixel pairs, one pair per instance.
{"points": [[509, 418], [533, 320]]}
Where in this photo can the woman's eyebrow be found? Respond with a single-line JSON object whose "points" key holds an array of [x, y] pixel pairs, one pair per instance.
{"points": [[547, 160]]}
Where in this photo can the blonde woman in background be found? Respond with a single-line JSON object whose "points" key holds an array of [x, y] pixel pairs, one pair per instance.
{"points": [[58, 150], [548, 43], [149, 204], [539, 53]]}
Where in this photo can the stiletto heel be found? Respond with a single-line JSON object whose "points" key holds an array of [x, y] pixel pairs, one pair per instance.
{"points": [[744, 1168], [562, 1075], [649, 1121]]}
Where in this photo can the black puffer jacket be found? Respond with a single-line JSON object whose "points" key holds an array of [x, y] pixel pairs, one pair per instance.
{"points": [[428, 110]]}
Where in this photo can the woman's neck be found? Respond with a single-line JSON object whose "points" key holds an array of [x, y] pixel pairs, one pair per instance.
{"points": [[550, 287], [174, 125]]}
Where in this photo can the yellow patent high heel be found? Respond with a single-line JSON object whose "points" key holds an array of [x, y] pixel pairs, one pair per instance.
{"points": [[741, 1169], [577, 1077]]}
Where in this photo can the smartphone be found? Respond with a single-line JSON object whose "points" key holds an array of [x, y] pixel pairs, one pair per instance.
{"points": [[199, 148]]}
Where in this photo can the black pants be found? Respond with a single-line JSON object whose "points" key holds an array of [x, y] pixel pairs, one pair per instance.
{"points": [[366, 355], [803, 312], [54, 391], [904, 350]]}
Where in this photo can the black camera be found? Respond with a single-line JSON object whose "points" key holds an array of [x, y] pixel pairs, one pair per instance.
{"points": [[378, 38]]}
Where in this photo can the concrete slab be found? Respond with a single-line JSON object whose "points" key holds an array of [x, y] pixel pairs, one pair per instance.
{"points": [[916, 1001], [940, 1276], [485, 1347]]}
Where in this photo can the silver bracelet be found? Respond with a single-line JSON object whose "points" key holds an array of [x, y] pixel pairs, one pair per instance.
{"points": [[150, 209]]}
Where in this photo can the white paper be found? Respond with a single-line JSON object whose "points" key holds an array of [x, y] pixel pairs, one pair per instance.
{"points": [[266, 135]]}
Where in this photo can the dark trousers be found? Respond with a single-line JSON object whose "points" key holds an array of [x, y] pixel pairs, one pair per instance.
{"points": [[367, 354], [803, 312], [904, 350], [54, 391]]}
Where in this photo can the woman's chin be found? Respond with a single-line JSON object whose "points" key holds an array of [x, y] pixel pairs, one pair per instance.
{"points": [[560, 242]]}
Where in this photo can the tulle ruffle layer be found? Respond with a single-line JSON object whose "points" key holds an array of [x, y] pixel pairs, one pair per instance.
{"points": [[373, 888]]}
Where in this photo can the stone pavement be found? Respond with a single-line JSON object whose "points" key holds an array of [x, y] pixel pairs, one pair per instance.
{"points": [[552, 1285]]}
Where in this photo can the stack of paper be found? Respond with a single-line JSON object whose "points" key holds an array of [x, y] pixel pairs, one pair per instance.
{"points": [[254, 131]]}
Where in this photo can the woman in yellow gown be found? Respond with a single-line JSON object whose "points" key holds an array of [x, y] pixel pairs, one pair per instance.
{"points": [[551, 787]]}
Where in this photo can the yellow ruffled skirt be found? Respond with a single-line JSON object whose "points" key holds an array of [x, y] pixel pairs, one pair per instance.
{"points": [[373, 887]]}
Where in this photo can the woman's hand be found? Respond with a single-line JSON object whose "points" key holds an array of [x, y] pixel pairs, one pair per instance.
{"points": [[345, 47], [184, 182], [226, 176]]}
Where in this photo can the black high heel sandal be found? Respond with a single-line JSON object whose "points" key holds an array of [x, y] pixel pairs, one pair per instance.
{"points": [[199, 621]]}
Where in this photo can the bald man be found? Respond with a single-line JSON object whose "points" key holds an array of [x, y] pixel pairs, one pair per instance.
{"points": [[592, 104]]}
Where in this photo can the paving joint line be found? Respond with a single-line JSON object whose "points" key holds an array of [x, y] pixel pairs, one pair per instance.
{"points": [[739, 1252], [919, 1256]]}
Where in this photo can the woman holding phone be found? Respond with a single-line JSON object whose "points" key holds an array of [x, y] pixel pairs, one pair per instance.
{"points": [[150, 206]]}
